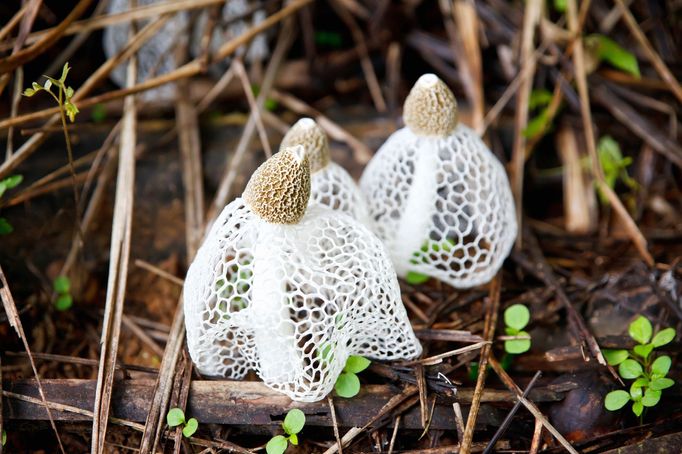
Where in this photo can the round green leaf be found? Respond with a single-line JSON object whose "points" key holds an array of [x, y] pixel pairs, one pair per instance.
{"points": [[175, 417], [630, 369], [615, 400], [62, 284], [63, 303], [516, 346], [347, 385], [191, 427], [293, 439], [294, 421], [516, 316], [637, 408], [276, 445], [662, 383], [356, 364], [641, 330], [663, 337], [414, 278], [12, 181], [636, 392], [615, 357], [661, 366], [643, 351], [651, 397]]}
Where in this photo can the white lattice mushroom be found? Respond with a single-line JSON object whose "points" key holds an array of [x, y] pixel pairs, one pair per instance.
{"points": [[438, 198], [330, 184], [290, 292], [155, 57]]}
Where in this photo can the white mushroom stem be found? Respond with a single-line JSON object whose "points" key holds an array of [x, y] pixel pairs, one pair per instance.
{"points": [[274, 333], [415, 224]]}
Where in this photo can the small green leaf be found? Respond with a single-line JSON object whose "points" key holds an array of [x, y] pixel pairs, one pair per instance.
{"points": [[663, 337], [63, 302], [293, 438], [615, 357], [414, 278], [270, 105], [517, 346], [537, 125], [4, 437], [276, 445], [65, 72], [15, 180], [347, 385], [651, 397], [641, 330], [630, 369], [661, 366], [29, 92], [609, 51], [539, 97], [69, 93], [47, 85], [560, 6], [517, 316], [356, 364], [615, 400], [175, 417], [71, 111], [62, 284], [637, 408], [661, 383], [5, 227], [643, 350], [635, 392], [294, 421], [191, 427], [36, 86]]}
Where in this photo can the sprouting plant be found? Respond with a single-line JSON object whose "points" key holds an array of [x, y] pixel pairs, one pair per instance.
{"points": [[604, 49], [648, 371], [348, 383], [67, 108], [176, 417], [614, 165], [516, 317], [292, 425], [62, 288], [539, 100], [8, 183], [4, 437], [430, 247]]}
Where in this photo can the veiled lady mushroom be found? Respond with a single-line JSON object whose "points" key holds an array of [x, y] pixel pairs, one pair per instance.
{"points": [[330, 184], [291, 292], [155, 57], [438, 198]]}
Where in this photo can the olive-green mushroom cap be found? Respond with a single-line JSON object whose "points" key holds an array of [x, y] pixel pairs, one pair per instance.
{"points": [[430, 109], [308, 133], [279, 189]]}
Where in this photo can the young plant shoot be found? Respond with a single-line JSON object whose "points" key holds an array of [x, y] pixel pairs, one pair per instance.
{"points": [[438, 198], [176, 417], [291, 290], [516, 317], [640, 364], [292, 425]]}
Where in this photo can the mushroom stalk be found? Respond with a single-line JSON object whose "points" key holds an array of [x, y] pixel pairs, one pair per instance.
{"points": [[274, 333], [415, 225]]}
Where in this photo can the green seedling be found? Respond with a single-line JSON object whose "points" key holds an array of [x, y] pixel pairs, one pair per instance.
{"points": [[539, 100], [516, 317], [292, 425], [62, 288], [4, 437], [348, 383], [176, 417], [429, 247], [614, 165], [8, 183], [639, 364], [606, 50]]}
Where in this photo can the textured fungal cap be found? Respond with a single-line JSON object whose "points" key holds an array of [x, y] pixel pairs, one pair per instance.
{"points": [[279, 189], [430, 109], [307, 133]]}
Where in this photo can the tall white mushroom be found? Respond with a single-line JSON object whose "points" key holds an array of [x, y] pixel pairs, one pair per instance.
{"points": [[330, 184], [291, 292], [438, 198]]}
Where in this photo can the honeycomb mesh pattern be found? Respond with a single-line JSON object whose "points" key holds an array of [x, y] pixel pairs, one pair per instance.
{"points": [[442, 206], [333, 187], [292, 302], [155, 57]]}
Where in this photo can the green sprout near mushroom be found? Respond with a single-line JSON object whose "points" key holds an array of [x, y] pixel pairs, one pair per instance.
{"points": [[292, 425], [176, 417]]}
